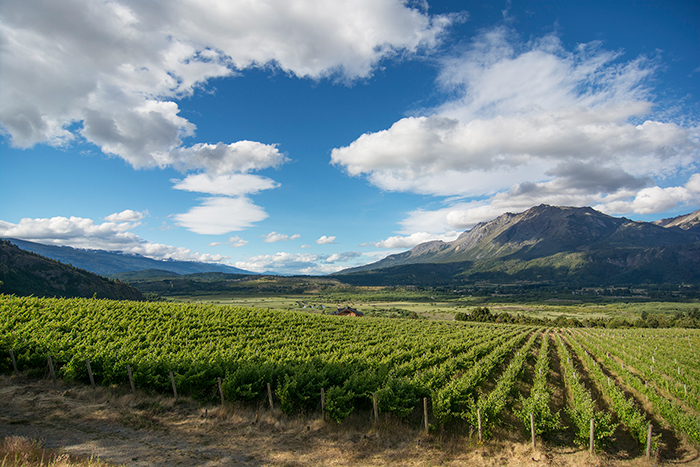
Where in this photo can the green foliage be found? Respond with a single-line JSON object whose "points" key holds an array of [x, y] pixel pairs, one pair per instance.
{"points": [[399, 396], [538, 403], [298, 354], [339, 403], [582, 408]]}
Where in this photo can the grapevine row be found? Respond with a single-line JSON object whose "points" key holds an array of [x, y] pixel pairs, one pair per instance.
{"points": [[537, 403], [582, 408]]}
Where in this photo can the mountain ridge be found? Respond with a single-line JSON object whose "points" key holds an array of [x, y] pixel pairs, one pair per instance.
{"points": [[558, 237], [108, 263]]}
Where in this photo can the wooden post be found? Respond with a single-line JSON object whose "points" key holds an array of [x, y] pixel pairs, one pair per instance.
{"points": [[14, 362], [478, 416], [89, 369], [323, 404], [269, 395], [649, 441], [685, 387], [375, 408], [221, 390], [131, 379], [532, 428], [425, 414], [592, 440], [53, 373], [172, 380]]}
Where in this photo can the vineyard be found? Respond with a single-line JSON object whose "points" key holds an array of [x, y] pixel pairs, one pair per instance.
{"points": [[467, 377]]}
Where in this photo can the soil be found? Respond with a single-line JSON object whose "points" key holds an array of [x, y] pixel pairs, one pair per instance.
{"points": [[142, 430]]}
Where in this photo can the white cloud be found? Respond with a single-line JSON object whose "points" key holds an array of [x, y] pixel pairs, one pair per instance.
{"points": [[220, 215], [242, 156], [280, 262], [635, 198], [343, 257], [116, 67], [324, 240], [409, 241], [110, 73], [300, 263], [226, 185], [233, 242], [655, 199], [79, 232], [274, 237], [127, 215], [530, 123]]}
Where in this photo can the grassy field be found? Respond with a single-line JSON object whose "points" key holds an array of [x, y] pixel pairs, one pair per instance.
{"points": [[445, 309]]}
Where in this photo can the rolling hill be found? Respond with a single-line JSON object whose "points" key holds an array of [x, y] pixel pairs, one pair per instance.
{"points": [[26, 273]]}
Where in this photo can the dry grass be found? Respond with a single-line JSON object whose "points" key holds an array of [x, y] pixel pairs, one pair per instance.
{"points": [[18, 451], [145, 430]]}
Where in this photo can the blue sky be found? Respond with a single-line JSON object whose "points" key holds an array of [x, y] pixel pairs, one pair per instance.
{"points": [[305, 137]]}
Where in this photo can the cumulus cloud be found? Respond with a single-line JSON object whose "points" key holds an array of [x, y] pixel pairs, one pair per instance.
{"points": [[274, 237], [233, 242], [116, 67], [529, 123], [220, 215], [656, 199], [279, 262], [326, 240], [301, 263], [115, 235], [226, 185], [343, 257], [110, 72], [409, 241], [127, 215], [465, 215]]}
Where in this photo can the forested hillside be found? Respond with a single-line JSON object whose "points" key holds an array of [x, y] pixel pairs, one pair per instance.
{"points": [[26, 273]]}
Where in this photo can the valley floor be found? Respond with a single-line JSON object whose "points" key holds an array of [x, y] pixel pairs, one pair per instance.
{"points": [[141, 430]]}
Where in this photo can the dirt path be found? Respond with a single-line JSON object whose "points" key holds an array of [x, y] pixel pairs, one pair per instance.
{"points": [[140, 430]]}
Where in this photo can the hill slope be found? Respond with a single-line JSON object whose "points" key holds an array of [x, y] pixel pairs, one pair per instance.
{"points": [[109, 263], [26, 273], [553, 243]]}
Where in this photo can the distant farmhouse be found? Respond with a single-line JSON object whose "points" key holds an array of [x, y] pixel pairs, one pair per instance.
{"points": [[347, 311]]}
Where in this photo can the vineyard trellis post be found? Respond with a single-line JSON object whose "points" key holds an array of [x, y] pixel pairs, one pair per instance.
{"points": [[14, 362], [89, 370], [53, 373], [131, 379], [425, 414], [221, 390], [172, 380], [649, 441], [532, 428], [478, 416], [375, 408], [323, 404], [269, 396], [592, 440]]}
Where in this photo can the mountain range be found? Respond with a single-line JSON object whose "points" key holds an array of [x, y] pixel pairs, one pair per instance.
{"points": [[111, 263], [545, 244], [551, 243]]}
